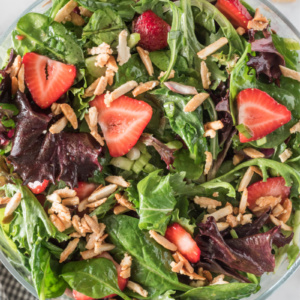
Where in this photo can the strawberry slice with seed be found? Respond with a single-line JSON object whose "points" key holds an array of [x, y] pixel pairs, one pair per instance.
{"points": [[260, 113], [47, 79], [122, 123], [38, 187], [186, 245]]}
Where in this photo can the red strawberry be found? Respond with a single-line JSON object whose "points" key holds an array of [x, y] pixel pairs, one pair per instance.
{"points": [[184, 242], [260, 113], [153, 31], [37, 187], [47, 79], [79, 296], [122, 123], [272, 187], [84, 189], [235, 12]]}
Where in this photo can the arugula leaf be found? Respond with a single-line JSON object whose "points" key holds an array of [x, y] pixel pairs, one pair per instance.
{"points": [[189, 126], [105, 31], [48, 38], [45, 273], [124, 7], [150, 261], [230, 291], [95, 278]]}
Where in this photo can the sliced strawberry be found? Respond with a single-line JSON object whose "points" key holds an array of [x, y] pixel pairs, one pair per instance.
{"points": [[153, 31], [260, 113], [235, 12], [38, 187], [184, 242], [79, 296], [122, 123], [47, 79], [274, 186], [84, 189]]}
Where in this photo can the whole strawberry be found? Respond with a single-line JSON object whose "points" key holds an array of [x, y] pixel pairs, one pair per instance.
{"points": [[153, 31]]}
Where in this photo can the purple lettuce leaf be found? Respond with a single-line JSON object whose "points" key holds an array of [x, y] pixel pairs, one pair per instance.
{"points": [[38, 155], [251, 253], [166, 153], [268, 59], [5, 85]]}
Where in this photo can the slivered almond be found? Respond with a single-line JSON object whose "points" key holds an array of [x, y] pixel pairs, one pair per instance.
{"points": [[85, 12], [205, 202], [65, 192], [55, 108], [246, 179], [65, 11], [253, 153], [257, 170], [120, 91], [98, 137], [137, 288], [162, 241], [69, 250], [99, 247], [126, 266], [93, 116], [96, 203], [287, 205], [104, 48], [110, 74], [144, 87], [205, 76], [103, 192], [89, 92], [124, 201], [112, 64], [54, 198], [162, 74], [259, 22], [76, 19], [16, 66], [176, 266], [118, 180], [144, 55], [119, 209], [92, 224], [13, 204], [210, 133], [123, 50], [219, 214], [101, 87], [285, 155], [208, 162], [204, 53], [243, 202], [57, 222], [215, 125], [69, 114], [58, 126], [295, 128], [195, 102], [238, 158], [71, 201], [286, 72], [186, 263], [21, 83], [14, 85], [240, 30], [280, 223], [222, 226]]}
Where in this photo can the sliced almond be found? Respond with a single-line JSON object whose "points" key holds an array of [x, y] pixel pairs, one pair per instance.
{"points": [[126, 266], [210, 133], [246, 179], [238, 158], [112, 64], [88, 254], [204, 53], [101, 87], [259, 22], [124, 201], [176, 266], [89, 92], [208, 162], [92, 224], [137, 289], [192, 276], [69, 250], [4, 201], [277, 222], [205, 76], [257, 170], [104, 48], [54, 198], [215, 125], [186, 263], [76, 19], [101, 60], [73, 201], [232, 221], [16, 66], [13, 204], [243, 202], [285, 155], [246, 219], [93, 238], [144, 55], [240, 30], [162, 74], [69, 114], [288, 206], [118, 180], [286, 72], [92, 128], [14, 85], [295, 128], [96, 203], [253, 153], [123, 50], [162, 241], [119, 209], [58, 126], [120, 91], [219, 214], [55, 108], [268, 201], [82, 205], [278, 210], [222, 226], [219, 280], [205, 202], [65, 192], [99, 247], [195, 102], [65, 11], [75, 235], [21, 82], [103, 192], [144, 87], [93, 116], [110, 74], [57, 222], [85, 12], [98, 137]]}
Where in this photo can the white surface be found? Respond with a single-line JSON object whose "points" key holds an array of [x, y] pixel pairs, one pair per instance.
{"points": [[13, 8]]}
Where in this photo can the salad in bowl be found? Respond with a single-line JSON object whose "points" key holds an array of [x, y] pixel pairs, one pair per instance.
{"points": [[149, 149]]}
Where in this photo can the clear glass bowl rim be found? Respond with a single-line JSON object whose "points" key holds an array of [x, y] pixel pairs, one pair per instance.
{"points": [[263, 296]]}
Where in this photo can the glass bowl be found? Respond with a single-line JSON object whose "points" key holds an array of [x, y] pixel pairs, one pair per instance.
{"points": [[269, 282]]}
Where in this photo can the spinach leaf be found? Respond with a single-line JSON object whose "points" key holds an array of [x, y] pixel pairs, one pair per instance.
{"points": [[144, 5], [189, 126], [104, 26], [95, 278], [102, 210], [166, 296], [150, 261], [230, 291], [48, 38], [45, 273], [123, 7]]}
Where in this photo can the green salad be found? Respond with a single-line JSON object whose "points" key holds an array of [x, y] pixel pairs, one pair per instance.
{"points": [[149, 149]]}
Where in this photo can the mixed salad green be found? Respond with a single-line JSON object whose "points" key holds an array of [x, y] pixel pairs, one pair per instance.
{"points": [[149, 149]]}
